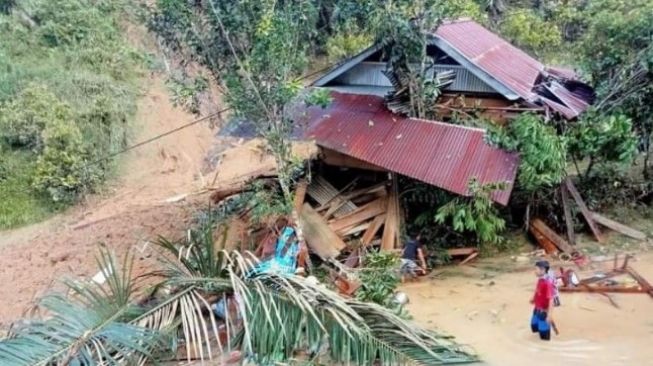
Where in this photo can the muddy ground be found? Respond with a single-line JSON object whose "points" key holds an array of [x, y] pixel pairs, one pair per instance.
{"points": [[486, 306]]}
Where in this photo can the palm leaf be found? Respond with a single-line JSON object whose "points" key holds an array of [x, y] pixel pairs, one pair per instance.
{"points": [[85, 328]]}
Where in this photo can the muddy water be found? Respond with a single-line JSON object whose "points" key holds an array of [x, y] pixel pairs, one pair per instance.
{"points": [[491, 313]]}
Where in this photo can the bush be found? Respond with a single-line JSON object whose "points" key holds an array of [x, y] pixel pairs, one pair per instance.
{"points": [[61, 171], [475, 214], [529, 31], [345, 44], [379, 279], [23, 119]]}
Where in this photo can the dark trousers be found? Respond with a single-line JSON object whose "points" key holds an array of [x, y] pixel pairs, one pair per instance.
{"points": [[540, 325]]}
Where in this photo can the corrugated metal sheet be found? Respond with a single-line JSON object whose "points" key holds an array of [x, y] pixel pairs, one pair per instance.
{"points": [[441, 154], [371, 74], [508, 64], [575, 103]]}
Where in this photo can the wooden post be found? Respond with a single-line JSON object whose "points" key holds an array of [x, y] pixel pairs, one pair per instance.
{"points": [[569, 220], [390, 231], [587, 214]]}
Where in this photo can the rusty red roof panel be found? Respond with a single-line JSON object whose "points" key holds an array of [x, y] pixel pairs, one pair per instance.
{"points": [[441, 154], [511, 66]]}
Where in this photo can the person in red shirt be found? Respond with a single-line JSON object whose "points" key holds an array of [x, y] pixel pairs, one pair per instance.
{"points": [[542, 302]]}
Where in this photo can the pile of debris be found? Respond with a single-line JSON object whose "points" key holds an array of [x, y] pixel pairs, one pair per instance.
{"points": [[349, 220], [565, 249]]}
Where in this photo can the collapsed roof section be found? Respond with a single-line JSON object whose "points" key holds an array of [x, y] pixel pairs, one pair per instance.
{"points": [[445, 155], [483, 63]]}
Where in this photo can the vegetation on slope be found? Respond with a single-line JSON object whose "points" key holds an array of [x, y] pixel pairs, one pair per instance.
{"points": [[68, 85]]}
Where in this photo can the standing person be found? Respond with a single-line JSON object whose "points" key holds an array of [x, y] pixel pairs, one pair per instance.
{"points": [[411, 254], [542, 301]]}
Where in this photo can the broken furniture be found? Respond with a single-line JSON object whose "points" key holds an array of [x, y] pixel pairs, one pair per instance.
{"points": [[605, 282]]}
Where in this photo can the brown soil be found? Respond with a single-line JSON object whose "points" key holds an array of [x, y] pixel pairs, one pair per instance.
{"points": [[133, 209], [490, 311]]}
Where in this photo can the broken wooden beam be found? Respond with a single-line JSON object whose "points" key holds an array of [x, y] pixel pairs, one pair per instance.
{"points": [[552, 236], [587, 214], [351, 230], [300, 195], [321, 239], [618, 227], [602, 289], [389, 240], [544, 242], [569, 220], [358, 216], [371, 231], [461, 251]]}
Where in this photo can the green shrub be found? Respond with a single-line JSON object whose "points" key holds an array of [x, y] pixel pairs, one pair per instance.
{"points": [[475, 214], [529, 31], [542, 152], [23, 119], [345, 44], [379, 278], [61, 171]]}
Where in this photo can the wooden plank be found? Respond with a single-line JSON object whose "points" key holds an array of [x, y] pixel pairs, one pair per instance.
{"points": [[318, 236], [335, 158], [569, 220], [646, 286], [371, 231], [461, 251], [351, 230], [300, 195], [546, 244], [469, 258], [363, 213], [391, 226], [618, 227], [587, 214], [615, 289], [545, 230]]}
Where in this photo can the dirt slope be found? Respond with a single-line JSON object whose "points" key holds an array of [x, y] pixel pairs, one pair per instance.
{"points": [[36, 257]]}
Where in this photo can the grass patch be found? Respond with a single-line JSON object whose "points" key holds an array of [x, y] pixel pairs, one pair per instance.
{"points": [[20, 204]]}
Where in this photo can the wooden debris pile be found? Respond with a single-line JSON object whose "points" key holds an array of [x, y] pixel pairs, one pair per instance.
{"points": [[556, 245], [349, 220]]}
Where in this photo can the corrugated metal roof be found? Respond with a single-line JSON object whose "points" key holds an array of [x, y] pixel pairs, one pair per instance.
{"points": [[441, 154], [508, 64]]}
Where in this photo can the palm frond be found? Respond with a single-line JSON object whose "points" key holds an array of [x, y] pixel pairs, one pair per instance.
{"points": [[85, 328]]}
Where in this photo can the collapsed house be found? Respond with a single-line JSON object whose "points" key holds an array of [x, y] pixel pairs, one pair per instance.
{"points": [[491, 75], [357, 131]]}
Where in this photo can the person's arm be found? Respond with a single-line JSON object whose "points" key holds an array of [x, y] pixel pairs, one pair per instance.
{"points": [[550, 306]]}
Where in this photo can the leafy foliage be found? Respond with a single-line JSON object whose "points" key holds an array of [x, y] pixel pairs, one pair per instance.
{"points": [[378, 278], [530, 31], [347, 42], [64, 63], [603, 140], [476, 213], [543, 153], [87, 328]]}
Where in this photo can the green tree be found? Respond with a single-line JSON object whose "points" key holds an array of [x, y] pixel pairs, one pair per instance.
{"points": [[542, 152], [529, 31], [617, 56], [602, 139]]}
